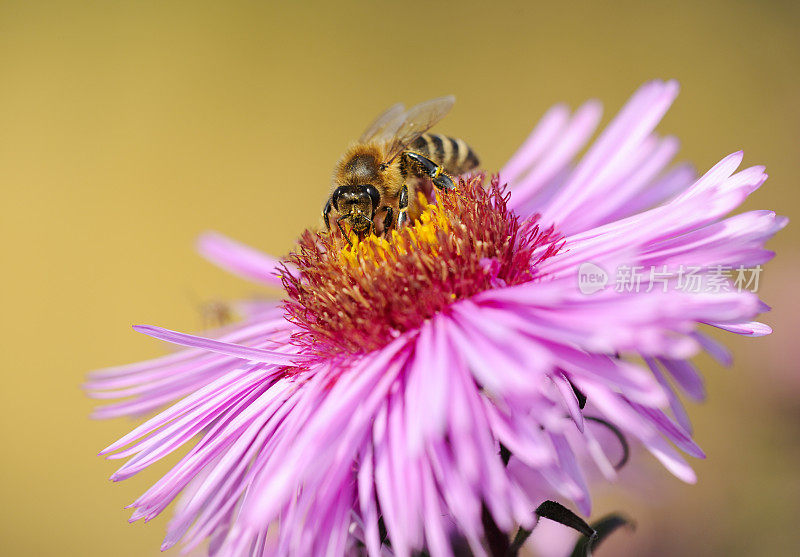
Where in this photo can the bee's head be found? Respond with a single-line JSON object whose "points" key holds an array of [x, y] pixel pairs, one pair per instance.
{"points": [[357, 204]]}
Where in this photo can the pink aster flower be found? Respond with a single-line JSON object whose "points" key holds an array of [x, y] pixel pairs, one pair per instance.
{"points": [[436, 390]]}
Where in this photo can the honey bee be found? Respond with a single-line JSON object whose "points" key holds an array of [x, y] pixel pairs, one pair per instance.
{"points": [[376, 181]]}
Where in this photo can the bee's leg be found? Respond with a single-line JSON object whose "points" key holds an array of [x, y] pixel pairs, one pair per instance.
{"points": [[426, 167], [388, 220], [326, 214], [342, 230], [402, 215]]}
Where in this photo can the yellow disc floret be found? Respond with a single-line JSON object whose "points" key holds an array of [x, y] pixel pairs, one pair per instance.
{"points": [[423, 231]]}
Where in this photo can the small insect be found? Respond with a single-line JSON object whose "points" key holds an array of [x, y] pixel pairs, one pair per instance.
{"points": [[215, 314], [376, 181]]}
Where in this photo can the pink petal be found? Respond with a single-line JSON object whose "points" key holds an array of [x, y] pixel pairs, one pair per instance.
{"points": [[235, 350], [239, 259]]}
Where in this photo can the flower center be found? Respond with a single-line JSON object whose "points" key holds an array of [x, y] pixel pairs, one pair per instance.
{"points": [[357, 298]]}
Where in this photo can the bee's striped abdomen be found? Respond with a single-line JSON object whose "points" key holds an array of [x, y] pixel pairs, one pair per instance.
{"points": [[453, 154]]}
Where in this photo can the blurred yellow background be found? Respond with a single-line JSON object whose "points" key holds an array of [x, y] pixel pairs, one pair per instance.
{"points": [[128, 128]]}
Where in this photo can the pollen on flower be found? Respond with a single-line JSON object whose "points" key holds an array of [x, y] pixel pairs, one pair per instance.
{"points": [[422, 231], [357, 298]]}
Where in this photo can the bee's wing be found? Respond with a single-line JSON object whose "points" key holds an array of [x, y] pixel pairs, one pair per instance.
{"points": [[386, 125], [416, 121]]}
